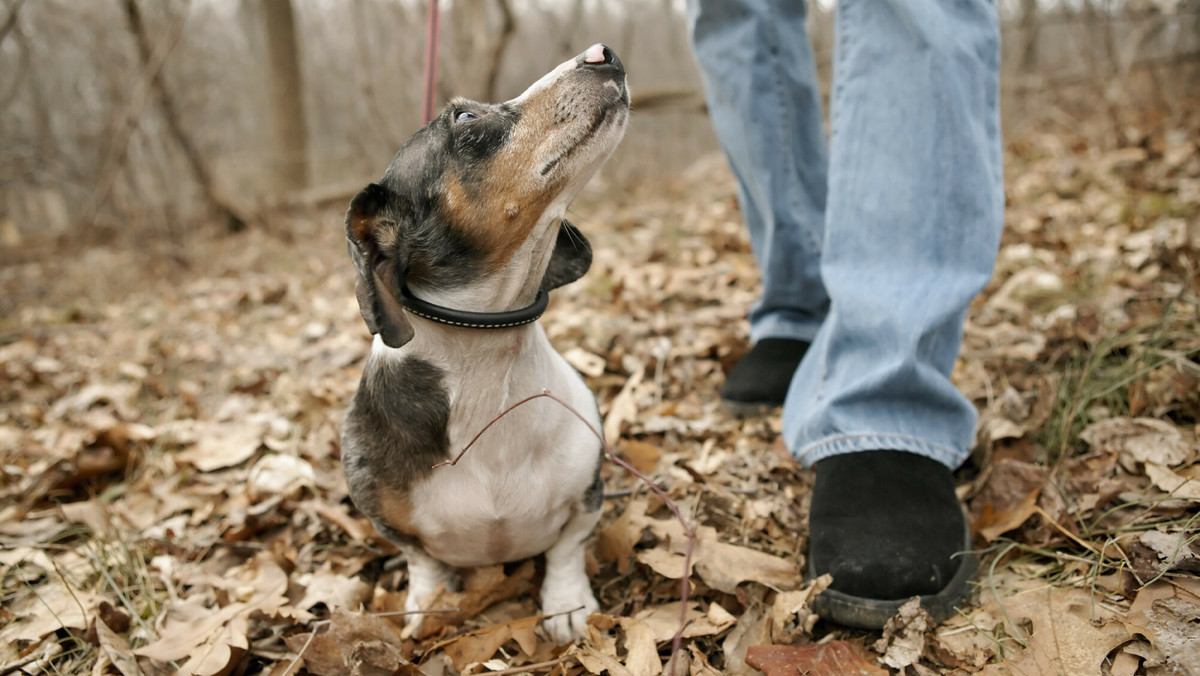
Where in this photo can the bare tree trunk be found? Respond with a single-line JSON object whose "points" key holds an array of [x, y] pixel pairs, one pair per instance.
{"points": [[382, 125], [1030, 25], [11, 20], [507, 27], [474, 39], [125, 122], [224, 209], [290, 131]]}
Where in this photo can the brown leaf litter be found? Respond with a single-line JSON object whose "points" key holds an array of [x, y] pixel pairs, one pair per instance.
{"points": [[172, 499]]}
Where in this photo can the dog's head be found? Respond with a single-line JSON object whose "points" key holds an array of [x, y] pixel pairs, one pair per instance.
{"points": [[480, 193]]}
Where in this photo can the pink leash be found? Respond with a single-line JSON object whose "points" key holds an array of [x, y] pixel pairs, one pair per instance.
{"points": [[431, 52]]}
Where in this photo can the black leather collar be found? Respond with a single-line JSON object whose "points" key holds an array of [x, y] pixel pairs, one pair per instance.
{"points": [[476, 320]]}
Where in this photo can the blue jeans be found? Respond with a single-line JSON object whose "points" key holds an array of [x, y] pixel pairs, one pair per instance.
{"points": [[873, 245]]}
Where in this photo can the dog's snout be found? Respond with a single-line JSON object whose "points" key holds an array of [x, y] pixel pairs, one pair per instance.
{"points": [[600, 57]]}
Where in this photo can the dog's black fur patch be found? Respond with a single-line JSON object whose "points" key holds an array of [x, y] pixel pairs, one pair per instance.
{"points": [[395, 430], [571, 258], [475, 141]]}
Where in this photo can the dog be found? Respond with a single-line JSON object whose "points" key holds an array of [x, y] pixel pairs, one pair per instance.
{"points": [[456, 248]]}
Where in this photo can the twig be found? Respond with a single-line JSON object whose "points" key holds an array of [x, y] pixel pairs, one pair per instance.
{"points": [[37, 658], [507, 27], [299, 654], [11, 20], [170, 112], [677, 641], [539, 666], [396, 613], [125, 124]]}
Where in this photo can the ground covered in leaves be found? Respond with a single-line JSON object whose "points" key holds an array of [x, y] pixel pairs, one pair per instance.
{"points": [[171, 500]]}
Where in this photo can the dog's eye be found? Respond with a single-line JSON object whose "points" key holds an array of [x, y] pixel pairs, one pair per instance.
{"points": [[464, 116]]}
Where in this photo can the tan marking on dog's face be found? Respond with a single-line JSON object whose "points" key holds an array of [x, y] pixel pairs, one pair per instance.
{"points": [[488, 215], [565, 126]]}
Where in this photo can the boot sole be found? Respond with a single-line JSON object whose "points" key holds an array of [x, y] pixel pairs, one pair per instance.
{"points": [[745, 409]]}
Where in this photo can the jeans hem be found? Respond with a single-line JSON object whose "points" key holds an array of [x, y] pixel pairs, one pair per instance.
{"points": [[809, 454], [772, 327]]}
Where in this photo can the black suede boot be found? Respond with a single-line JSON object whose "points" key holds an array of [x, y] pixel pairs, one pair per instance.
{"points": [[759, 381], [888, 526]]}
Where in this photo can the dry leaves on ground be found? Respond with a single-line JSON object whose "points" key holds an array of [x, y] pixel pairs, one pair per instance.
{"points": [[172, 500]]}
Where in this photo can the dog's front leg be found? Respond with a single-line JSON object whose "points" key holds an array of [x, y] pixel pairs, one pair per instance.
{"points": [[566, 592], [425, 573]]}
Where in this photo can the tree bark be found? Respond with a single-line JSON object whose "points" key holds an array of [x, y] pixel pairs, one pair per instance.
{"points": [[11, 20], [200, 172], [289, 128], [507, 27]]}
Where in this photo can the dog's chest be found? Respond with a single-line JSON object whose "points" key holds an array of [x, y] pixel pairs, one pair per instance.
{"points": [[511, 494], [473, 515]]}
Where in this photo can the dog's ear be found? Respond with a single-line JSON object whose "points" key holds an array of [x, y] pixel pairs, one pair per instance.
{"points": [[571, 258], [373, 238]]}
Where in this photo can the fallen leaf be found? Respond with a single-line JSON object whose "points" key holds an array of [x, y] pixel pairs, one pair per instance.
{"points": [[721, 565], [792, 616], [206, 632], [1167, 614], [643, 456], [1173, 549], [905, 635], [1139, 440], [334, 590], [641, 647], [753, 628], [1125, 663], [1070, 632], [479, 646], [223, 444], [1172, 484], [835, 658], [91, 513], [337, 515], [597, 652], [1008, 498], [117, 649], [53, 606], [587, 363], [663, 621], [279, 474], [356, 643], [482, 587], [623, 408]]}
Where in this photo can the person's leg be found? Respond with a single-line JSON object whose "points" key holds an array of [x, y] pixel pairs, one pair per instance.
{"points": [[913, 221], [761, 88]]}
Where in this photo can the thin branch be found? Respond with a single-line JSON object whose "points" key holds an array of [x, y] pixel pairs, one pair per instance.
{"points": [[126, 122], [376, 116], [200, 171], [508, 26], [539, 666], [10, 21]]}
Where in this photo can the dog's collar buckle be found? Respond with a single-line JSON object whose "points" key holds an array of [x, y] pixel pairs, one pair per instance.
{"points": [[476, 320]]}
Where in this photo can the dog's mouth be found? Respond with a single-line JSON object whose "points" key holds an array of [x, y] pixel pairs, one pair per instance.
{"points": [[580, 108], [604, 119]]}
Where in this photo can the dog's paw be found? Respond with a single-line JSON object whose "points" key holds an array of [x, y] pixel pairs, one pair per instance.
{"points": [[426, 576], [567, 610], [412, 623]]}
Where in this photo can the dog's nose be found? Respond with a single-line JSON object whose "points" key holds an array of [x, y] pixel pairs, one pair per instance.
{"points": [[600, 57]]}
